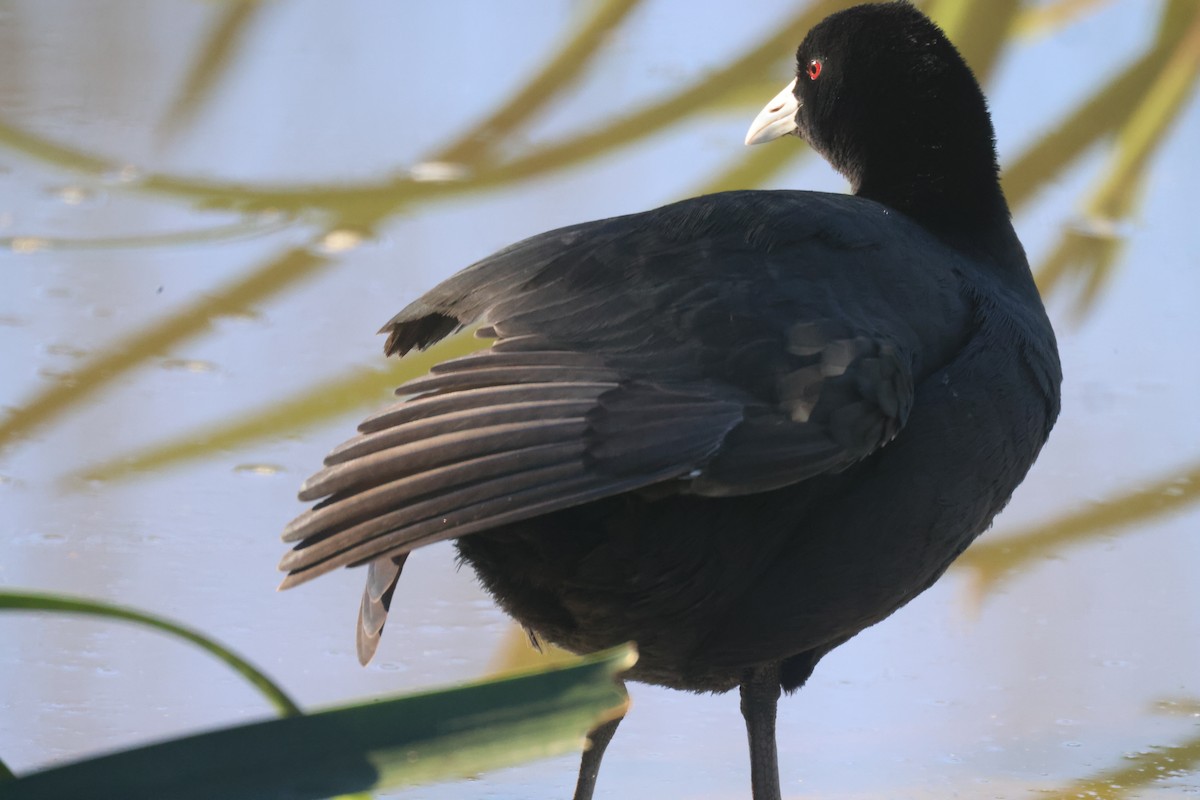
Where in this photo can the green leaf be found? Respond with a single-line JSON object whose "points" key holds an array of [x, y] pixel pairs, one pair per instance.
{"points": [[403, 741], [33, 601]]}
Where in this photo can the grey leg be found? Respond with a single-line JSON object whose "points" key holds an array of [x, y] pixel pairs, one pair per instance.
{"points": [[760, 695], [589, 765]]}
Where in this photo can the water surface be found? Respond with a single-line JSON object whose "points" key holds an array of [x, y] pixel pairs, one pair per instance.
{"points": [[158, 283]]}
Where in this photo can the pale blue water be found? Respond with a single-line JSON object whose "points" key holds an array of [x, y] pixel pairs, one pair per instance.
{"points": [[1051, 678]]}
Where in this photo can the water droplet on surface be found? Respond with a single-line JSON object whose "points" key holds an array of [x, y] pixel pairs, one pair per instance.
{"points": [[259, 469], [125, 175], [27, 244], [74, 195], [340, 241], [1095, 227], [439, 172]]}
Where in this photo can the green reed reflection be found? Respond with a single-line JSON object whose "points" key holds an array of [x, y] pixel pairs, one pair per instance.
{"points": [[1154, 767], [995, 557]]}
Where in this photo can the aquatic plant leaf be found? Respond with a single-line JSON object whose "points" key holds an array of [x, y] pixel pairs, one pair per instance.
{"points": [[60, 604], [403, 741]]}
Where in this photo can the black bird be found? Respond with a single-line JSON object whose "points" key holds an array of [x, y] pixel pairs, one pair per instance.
{"points": [[737, 429]]}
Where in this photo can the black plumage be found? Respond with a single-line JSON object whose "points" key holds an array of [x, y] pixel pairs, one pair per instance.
{"points": [[737, 429]]}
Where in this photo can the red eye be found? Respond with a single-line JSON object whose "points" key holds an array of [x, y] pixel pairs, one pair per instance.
{"points": [[814, 70]]}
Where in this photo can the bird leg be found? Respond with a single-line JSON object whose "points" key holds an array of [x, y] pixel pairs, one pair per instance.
{"points": [[589, 765], [760, 696]]}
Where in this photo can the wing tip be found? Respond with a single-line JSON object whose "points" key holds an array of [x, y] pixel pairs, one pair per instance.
{"points": [[291, 580], [298, 528], [365, 645], [313, 488], [408, 332], [371, 619]]}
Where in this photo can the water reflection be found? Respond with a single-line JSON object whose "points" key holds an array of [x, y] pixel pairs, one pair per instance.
{"points": [[254, 187]]}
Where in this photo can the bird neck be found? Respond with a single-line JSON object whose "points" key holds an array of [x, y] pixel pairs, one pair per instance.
{"points": [[947, 189]]}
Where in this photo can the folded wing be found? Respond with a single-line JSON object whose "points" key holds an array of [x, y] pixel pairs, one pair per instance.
{"points": [[604, 377]]}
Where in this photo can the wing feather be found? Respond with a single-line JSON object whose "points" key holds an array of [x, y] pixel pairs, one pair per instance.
{"points": [[479, 397], [492, 376], [381, 534], [339, 511], [382, 576], [454, 422], [466, 459], [448, 448]]}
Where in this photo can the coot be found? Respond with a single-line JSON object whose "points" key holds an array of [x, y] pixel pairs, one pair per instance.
{"points": [[737, 429]]}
